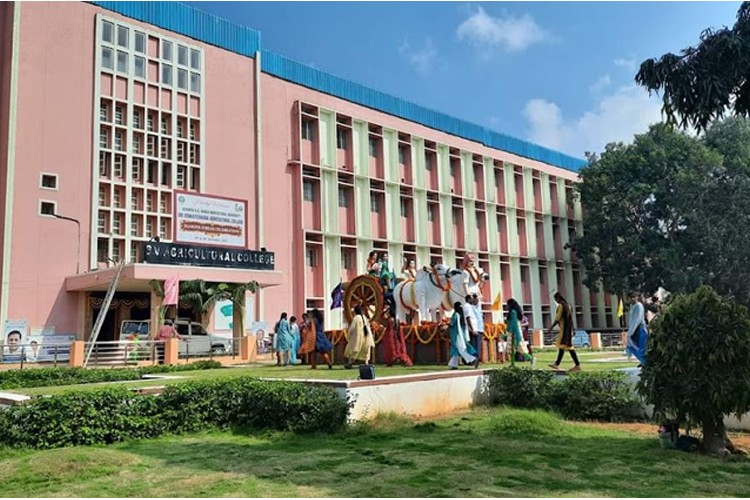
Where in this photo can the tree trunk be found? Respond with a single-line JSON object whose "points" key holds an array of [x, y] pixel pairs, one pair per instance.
{"points": [[715, 440], [238, 321]]}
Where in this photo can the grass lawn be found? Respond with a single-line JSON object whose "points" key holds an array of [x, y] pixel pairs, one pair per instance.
{"points": [[483, 453], [544, 358]]}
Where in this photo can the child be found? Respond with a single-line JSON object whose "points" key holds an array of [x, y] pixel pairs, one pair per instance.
{"points": [[502, 347]]}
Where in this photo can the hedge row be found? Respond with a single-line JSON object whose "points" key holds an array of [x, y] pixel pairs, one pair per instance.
{"points": [[110, 415], [603, 396], [45, 377]]}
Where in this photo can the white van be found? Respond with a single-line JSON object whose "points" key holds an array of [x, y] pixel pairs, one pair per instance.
{"points": [[196, 341]]}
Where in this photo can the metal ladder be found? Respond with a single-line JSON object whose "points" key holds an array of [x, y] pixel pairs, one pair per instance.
{"points": [[103, 313]]}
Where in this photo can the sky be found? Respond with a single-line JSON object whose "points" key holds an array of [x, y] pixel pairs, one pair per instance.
{"points": [[559, 74]]}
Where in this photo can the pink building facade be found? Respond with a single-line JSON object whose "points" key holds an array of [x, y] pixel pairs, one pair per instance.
{"points": [[112, 114]]}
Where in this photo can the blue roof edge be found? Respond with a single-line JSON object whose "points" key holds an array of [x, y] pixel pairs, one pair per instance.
{"points": [[208, 28]]}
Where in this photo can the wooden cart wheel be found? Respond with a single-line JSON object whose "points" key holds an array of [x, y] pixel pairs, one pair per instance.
{"points": [[365, 291]]}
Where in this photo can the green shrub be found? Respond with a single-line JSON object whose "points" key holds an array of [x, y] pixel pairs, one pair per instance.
{"points": [[519, 387], [526, 423], [45, 377], [602, 396], [109, 415]]}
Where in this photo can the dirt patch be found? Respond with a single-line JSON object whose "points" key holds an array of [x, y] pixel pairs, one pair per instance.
{"points": [[740, 439]]}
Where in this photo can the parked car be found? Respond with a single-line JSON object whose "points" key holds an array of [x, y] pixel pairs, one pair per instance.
{"points": [[195, 341], [581, 339]]}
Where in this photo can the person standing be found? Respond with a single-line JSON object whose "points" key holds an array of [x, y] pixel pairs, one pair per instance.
{"points": [[637, 332], [564, 342], [478, 339], [322, 344], [296, 340], [472, 326], [513, 326], [526, 332], [283, 339], [360, 339], [459, 339], [307, 333]]}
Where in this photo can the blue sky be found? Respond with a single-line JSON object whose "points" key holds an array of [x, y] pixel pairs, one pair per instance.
{"points": [[559, 74]]}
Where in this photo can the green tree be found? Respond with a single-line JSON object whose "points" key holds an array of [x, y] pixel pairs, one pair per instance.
{"points": [[640, 211], [703, 82], [698, 364]]}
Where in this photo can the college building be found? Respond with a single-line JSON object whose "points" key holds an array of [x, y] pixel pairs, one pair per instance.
{"points": [[162, 136]]}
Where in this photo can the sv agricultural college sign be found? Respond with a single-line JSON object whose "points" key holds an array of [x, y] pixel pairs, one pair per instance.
{"points": [[189, 255], [210, 220]]}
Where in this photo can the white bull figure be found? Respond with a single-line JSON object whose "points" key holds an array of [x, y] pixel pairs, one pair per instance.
{"points": [[432, 288]]}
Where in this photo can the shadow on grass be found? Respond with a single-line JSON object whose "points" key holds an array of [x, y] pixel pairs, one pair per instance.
{"points": [[476, 455]]}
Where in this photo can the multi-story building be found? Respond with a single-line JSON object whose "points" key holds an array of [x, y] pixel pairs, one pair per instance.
{"points": [[113, 114]]}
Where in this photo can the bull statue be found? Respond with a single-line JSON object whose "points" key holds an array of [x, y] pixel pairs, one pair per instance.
{"points": [[432, 287]]}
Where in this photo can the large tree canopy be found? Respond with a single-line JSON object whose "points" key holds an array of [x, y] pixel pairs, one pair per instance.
{"points": [[705, 81]]}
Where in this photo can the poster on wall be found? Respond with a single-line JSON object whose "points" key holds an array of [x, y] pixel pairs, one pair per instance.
{"points": [[210, 220], [15, 336], [223, 312], [47, 348]]}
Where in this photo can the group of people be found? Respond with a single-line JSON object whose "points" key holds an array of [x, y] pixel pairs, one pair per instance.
{"points": [[296, 343]]}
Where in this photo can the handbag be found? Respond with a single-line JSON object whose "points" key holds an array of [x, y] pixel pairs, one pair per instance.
{"points": [[366, 372]]}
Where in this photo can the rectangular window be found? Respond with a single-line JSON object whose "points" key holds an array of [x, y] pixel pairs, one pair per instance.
{"points": [[166, 50], [122, 36], [402, 155], [428, 162], [134, 201], [122, 61], [47, 208], [118, 115], [181, 149], [140, 42], [341, 138], [165, 149], [108, 32], [149, 227], [308, 191], [118, 198], [374, 204], [195, 82], [101, 224], [103, 143], [346, 260], [139, 64], [137, 119], [180, 130], [48, 181], [149, 203], [118, 166], [182, 55], [311, 257], [195, 59], [136, 144], [103, 113], [137, 169], [455, 217], [163, 205], [343, 198], [404, 208], [116, 251], [107, 62], [116, 224], [430, 213], [373, 147], [308, 130], [134, 225], [181, 173], [118, 141], [163, 228], [164, 125], [104, 164], [192, 131], [182, 79], [166, 74], [102, 196]]}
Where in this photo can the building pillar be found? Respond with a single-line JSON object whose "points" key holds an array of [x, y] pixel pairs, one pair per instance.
{"points": [[249, 348], [595, 339], [77, 354], [155, 303], [171, 351], [537, 339]]}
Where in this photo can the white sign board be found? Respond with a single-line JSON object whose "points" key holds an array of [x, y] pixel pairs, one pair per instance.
{"points": [[210, 220], [224, 311]]}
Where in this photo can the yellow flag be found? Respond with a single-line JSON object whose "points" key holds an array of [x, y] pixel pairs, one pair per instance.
{"points": [[620, 310], [497, 305]]}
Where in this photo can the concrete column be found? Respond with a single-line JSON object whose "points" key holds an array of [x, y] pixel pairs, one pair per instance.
{"points": [[596, 340], [77, 354], [171, 351], [249, 348], [537, 339]]}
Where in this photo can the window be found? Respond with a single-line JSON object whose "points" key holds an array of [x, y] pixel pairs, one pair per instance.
{"points": [[455, 217], [102, 223], [182, 55], [107, 58], [137, 167], [139, 64], [341, 138], [404, 208], [116, 251], [137, 119], [163, 228], [47, 208], [308, 130], [182, 79], [122, 36], [180, 129], [346, 260], [118, 141], [311, 257], [374, 204], [165, 149], [373, 147], [479, 218], [149, 203], [122, 62], [118, 165], [163, 205], [181, 172], [308, 191], [402, 155], [343, 198], [430, 213], [118, 198], [108, 32], [195, 59], [192, 131], [150, 122], [118, 115], [102, 196], [48, 181], [166, 74], [164, 125], [428, 162], [103, 113], [149, 227], [140, 42], [136, 144], [166, 50], [134, 201], [103, 143], [195, 82], [134, 252]]}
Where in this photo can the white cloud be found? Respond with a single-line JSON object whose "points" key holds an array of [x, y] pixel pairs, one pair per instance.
{"points": [[423, 60], [616, 117], [514, 34], [602, 83], [628, 64]]}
